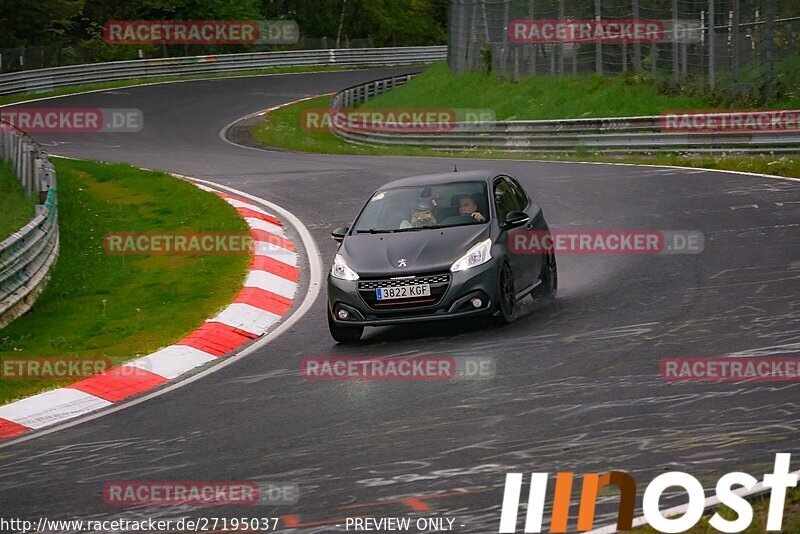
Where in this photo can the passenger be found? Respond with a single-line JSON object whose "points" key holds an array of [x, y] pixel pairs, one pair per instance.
{"points": [[421, 216], [467, 206]]}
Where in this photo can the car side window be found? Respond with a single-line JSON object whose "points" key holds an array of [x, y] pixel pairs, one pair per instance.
{"points": [[504, 198], [519, 193]]}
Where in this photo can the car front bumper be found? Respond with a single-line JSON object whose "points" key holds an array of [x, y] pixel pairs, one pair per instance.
{"points": [[478, 282]]}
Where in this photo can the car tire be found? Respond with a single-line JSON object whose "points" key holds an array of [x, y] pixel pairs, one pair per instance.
{"points": [[506, 304], [344, 334], [548, 289]]}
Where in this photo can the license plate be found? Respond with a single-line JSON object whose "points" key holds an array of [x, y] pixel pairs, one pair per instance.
{"points": [[403, 292]]}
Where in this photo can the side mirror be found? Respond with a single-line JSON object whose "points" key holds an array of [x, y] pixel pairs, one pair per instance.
{"points": [[339, 233], [515, 219]]}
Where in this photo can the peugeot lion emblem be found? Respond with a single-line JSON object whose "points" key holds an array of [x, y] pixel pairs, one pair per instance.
{"points": [[401, 262]]}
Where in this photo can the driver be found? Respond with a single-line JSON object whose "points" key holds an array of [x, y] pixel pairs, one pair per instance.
{"points": [[421, 216], [467, 206]]}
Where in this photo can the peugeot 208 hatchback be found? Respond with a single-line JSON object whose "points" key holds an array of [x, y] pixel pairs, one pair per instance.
{"points": [[437, 247]]}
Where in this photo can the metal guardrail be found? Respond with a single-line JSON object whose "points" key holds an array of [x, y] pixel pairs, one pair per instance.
{"points": [[361, 93], [42, 80], [617, 135], [27, 255]]}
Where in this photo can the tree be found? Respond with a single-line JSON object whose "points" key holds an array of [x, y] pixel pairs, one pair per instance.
{"points": [[36, 22]]}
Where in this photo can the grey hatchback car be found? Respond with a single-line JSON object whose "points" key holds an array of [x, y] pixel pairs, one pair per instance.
{"points": [[437, 247]]}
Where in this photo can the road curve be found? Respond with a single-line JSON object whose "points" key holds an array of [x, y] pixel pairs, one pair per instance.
{"points": [[577, 385]]}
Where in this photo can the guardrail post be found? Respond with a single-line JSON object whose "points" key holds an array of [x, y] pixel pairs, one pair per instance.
{"points": [[12, 151], [38, 168], [29, 156], [21, 153]]}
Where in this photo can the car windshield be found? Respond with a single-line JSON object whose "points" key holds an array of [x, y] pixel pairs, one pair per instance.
{"points": [[419, 207]]}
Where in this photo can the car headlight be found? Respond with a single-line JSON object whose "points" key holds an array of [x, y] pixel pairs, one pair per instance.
{"points": [[341, 271], [477, 255]]}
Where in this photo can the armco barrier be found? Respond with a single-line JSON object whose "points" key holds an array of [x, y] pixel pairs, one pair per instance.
{"points": [[617, 135], [42, 80], [28, 254]]}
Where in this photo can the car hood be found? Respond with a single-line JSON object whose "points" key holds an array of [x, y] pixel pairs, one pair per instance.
{"points": [[424, 251]]}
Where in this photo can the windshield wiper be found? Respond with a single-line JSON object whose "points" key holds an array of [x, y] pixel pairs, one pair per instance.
{"points": [[413, 228], [374, 231], [409, 229]]}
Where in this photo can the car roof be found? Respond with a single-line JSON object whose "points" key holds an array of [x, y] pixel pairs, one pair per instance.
{"points": [[442, 178]]}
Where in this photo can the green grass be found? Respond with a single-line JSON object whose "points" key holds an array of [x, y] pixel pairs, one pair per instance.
{"points": [[117, 306], [16, 209], [558, 97], [791, 517], [281, 129], [16, 98]]}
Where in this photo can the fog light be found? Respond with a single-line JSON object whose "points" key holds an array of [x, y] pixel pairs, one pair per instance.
{"points": [[476, 302], [343, 314]]}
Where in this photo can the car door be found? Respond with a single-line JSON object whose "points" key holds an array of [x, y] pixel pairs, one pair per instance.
{"points": [[506, 200], [536, 224]]}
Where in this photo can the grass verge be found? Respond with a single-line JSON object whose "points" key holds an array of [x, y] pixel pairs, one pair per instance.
{"points": [[791, 517], [282, 129], [565, 97], [118, 306], [16, 209]]}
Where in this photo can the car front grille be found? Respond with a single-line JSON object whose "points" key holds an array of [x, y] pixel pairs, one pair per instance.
{"points": [[438, 282], [404, 281]]}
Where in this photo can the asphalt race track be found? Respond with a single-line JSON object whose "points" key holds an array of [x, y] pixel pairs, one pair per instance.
{"points": [[577, 385]]}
